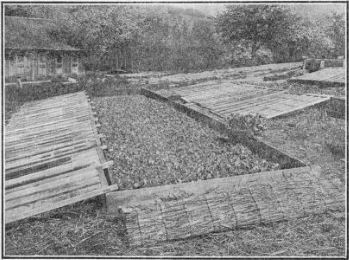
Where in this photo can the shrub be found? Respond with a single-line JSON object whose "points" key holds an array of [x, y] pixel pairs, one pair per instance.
{"points": [[98, 84], [251, 123]]}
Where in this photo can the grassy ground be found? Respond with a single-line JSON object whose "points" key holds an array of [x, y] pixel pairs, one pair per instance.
{"points": [[313, 137], [84, 229]]}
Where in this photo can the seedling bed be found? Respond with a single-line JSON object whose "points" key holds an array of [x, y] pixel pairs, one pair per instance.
{"points": [[153, 144]]}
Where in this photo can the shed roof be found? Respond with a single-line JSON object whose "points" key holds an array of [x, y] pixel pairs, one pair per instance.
{"points": [[24, 33]]}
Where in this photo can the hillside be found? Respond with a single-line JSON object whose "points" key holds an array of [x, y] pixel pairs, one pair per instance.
{"points": [[305, 10]]}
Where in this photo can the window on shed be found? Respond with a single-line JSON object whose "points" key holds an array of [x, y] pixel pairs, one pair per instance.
{"points": [[42, 58], [75, 62], [59, 61], [20, 59], [20, 64], [42, 64]]}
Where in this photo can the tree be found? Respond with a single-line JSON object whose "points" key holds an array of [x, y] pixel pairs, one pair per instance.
{"points": [[255, 26], [208, 48], [336, 32], [17, 10]]}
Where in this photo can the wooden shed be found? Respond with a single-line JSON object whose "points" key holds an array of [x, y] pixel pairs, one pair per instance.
{"points": [[31, 53]]}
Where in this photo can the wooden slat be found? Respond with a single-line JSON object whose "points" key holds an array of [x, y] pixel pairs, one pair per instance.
{"points": [[43, 151], [52, 184], [63, 200], [25, 169], [54, 156], [235, 97], [33, 144], [42, 158], [244, 99], [40, 175], [326, 75], [52, 124], [248, 103]]}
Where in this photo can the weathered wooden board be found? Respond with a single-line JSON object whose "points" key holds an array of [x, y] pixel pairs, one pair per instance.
{"points": [[191, 209], [226, 98], [324, 77], [53, 156]]}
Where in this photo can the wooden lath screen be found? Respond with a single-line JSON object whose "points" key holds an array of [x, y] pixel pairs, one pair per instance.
{"points": [[327, 75], [229, 98], [53, 156], [222, 204]]}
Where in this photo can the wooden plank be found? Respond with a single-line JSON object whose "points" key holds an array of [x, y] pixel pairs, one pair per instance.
{"points": [[261, 104], [65, 199], [89, 155], [254, 108], [48, 150], [51, 188], [50, 134], [53, 118], [25, 169], [35, 144], [52, 127], [127, 198], [58, 109], [30, 142], [235, 97], [51, 124], [41, 175], [21, 122], [42, 158], [218, 90], [268, 97], [50, 182], [55, 105], [47, 135], [326, 76], [50, 203], [296, 109], [54, 108], [53, 142], [246, 104]]}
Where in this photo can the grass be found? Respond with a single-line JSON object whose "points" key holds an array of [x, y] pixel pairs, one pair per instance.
{"points": [[85, 229], [311, 136]]}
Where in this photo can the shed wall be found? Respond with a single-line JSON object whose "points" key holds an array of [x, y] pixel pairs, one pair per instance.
{"points": [[38, 65]]}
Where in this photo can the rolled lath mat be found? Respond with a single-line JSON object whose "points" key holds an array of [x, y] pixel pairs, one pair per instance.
{"points": [[251, 200]]}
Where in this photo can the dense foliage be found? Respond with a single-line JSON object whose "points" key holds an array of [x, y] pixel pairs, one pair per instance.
{"points": [[255, 26], [280, 30], [251, 123], [149, 37]]}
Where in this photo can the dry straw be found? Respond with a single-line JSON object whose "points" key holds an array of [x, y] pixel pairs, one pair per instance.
{"points": [[256, 199]]}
